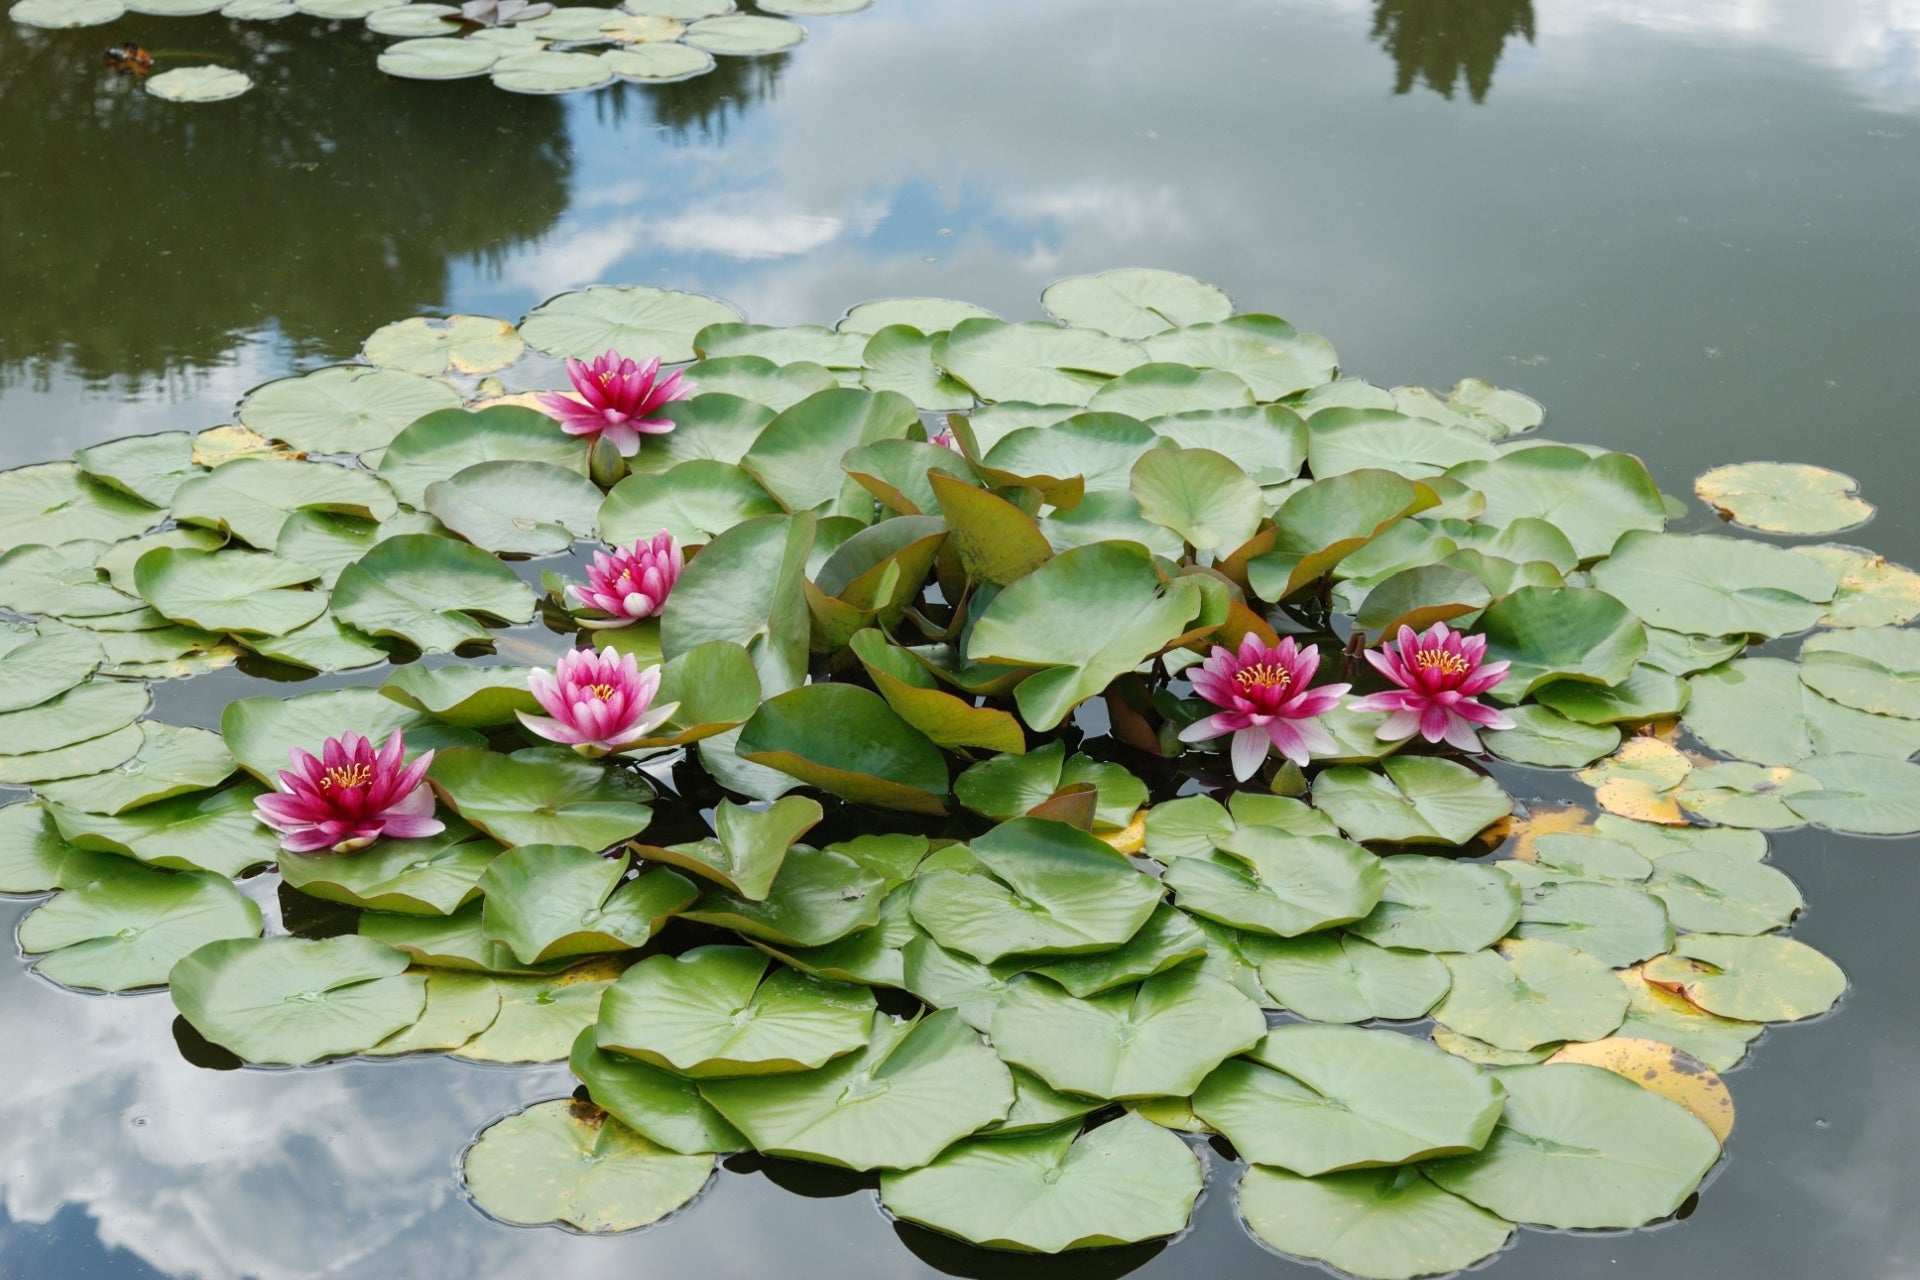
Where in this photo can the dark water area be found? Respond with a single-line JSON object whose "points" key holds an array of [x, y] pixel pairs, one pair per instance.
{"points": [[1692, 230]]}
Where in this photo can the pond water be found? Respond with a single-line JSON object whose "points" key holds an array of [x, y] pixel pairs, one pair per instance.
{"points": [[1688, 229]]}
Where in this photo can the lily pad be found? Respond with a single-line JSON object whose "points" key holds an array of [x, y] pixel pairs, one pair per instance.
{"points": [[435, 875], [1550, 634], [251, 498], [1616, 924], [344, 408], [1049, 1192], [744, 34], [1541, 736], [750, 845], [169, 760], [1321, 1099], [1384, 1224], [542, 796], [657, 1104], [439, 58], [915, 1089], [247, 592], [1765, 979], [640, 322], [517, 508], [59, 14], [1135, 302], [1268, 881], [550, 902], [199, 831], [746, 586], [541, 1015], [1594, 500], [1724, 893], [441, 445], [293, 1000], [85, 711], [127, 929], [1715, 586], [847, 741], [431, 592], [1871, 795], [819, 897], [715, 1011], [55, 502], [1758, 709], [570, 1162], [1033, 362], [1580, 1147], [1167, 940], [1784, 497], [1265, 352], [1531, 992], [262, 730], [1433, 904], [1421, 799], [1053, 889], [1329, 977], [1875, 669], [199, 84]]}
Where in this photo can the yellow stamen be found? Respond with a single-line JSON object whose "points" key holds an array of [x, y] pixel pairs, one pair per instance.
{"points": [[1450, 664], [1262, 676], [606, 380], [352, 775], [601, 691]]}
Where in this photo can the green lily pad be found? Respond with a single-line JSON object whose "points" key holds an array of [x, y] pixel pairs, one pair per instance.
{"points": [[541, 1015], [169, 760], [1594, 500], [899, 357], [1875, 669], [465, 696], [1766, 979], [85, 711], [1758, 709], [1134, 302], [55, 502], [542, 796], [427, 346], [1616, 924], [750, 845], [441, 445], [1645, 695], [819, 897], [797, 456], [1156, 390], [1008, 786], [79, 760], [127, 929], [658, 61], [1157, 1039], [541, 71], [34, 668], [199, 831], [551, 902], [1383, 1224], [1329, 977], [149, 468], [1269, 881], [747, 586], [32, 850], [1581, 1147], [517, 508], [847, 741], [199, 84], [1546, 738], [570, 1162], [1089, 615], [1722, 893], [929, 315], [1560, 633], [240, 591], [1433, 904], [430, 592], [1089, 451], [453, 942], [344, 408], [659, 1105], [1053, 890], [439, 58], [435, 875], [459, 1007], [1321, 1099], [695, 501], [1265, 352], [639, 322], [1714, 586], [1870, 795], [261, 731], [1421, 799], [1657, 1014], [1050, 1192], [1033, 362], [59, 14], [915, 1089], [1323, 522], [294, 1001], [251, 498], [1201, 495], [950, 980], [744, 35], [1784, 497], [715, 1011], [1167, 940], [1531, 992], [1343, 439]]}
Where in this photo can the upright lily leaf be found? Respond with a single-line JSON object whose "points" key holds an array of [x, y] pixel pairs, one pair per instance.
{"points": [[549, 902], [913, 1091], [749, 848], [542, 796], [746, 586], [1052, 889], [797, 456], [431, 592], [1580, 1147], [1327, 520], [657, 1104], [995, 541], [716, 1011], [847, 741], [1318, 1099], [1089, 615], [1159, 1039], [564, 1161], [292, 1000], [1199, 494], [1050, 1192], [913, 692]]}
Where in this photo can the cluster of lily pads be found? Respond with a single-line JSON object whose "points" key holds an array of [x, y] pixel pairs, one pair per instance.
{"points": [[522, 47], [917, 856]]}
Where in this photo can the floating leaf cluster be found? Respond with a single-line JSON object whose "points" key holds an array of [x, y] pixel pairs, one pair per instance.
{"points": [[972, 912], [521, 47]]}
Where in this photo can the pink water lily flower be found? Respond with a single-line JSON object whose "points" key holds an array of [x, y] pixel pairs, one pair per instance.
{"points": [[1264, 702], [618, 400], [1441, 675], [596, 702], [350, 796], [630, 584]]}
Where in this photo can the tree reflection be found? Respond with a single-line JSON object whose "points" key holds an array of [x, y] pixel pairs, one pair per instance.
{"points": [[1442, 42], [702, 108], [139, 237]]}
